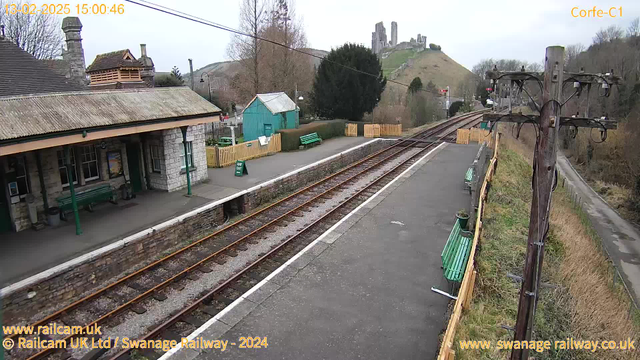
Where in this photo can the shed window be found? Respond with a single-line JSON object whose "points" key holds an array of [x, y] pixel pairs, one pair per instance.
{"points": [[156, 158], [89, 163], [189, 155], [64, 177]]}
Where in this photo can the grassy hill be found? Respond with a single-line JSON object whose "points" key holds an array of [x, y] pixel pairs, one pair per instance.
{"points": [[427, 64]]}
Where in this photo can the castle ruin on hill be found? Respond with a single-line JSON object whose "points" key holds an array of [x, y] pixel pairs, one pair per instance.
{"points": [[379, 40]]}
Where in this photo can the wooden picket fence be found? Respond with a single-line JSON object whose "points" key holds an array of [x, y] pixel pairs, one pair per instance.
{"points": [[371, 130], [225, 156], [465, 136], [351, 130], [466, 287]]}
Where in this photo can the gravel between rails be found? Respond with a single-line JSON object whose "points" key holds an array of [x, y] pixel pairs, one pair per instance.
{"points": [[135, 325]]}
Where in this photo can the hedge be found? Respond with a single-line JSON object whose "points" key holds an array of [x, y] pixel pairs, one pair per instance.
{"points": [[326, 130]]}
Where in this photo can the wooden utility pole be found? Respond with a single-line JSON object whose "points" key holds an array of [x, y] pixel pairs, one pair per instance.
{"points": [[544, 176], [548, 124]]}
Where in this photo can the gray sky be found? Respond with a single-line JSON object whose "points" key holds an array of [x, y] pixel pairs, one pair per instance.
{"points": [[468, 31]]}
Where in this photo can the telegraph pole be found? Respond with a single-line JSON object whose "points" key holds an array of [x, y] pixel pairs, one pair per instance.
{"points": [[543, 182], [544, 162]]}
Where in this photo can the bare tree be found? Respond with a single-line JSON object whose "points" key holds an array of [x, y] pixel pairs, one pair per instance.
{"points": [[634, 28], [246, 49], [38, 34], [286, 67], [571, 55], [610, 34]]}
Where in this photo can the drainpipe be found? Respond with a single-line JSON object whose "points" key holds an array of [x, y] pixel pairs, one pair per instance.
{"points": [[43, 188], [186, 158], [74, 203]]}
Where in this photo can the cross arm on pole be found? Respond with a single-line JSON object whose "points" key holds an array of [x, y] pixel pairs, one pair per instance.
{"points": [[520, 118]]}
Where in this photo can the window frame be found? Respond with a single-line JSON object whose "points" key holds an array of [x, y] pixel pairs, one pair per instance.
{"points": [[189, 153], [73, 164], [96, 161], [156, 157]]}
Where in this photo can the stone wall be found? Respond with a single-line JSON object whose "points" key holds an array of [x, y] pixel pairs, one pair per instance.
{"points": [[65, 287], [306, 177], [173, 148]]}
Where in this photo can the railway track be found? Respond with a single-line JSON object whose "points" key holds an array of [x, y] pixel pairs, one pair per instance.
{"points": [[108, 306]]}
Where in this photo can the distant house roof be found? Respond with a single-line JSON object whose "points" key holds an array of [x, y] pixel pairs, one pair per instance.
{"points": [[276, 102], [32, 115], [21, 73], [114, 60]]}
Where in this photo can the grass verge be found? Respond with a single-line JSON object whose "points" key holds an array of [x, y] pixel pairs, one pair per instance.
{"points": [[581, 299]]}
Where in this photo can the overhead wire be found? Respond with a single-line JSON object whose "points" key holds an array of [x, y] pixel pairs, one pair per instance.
{"points": [[186, 16]]}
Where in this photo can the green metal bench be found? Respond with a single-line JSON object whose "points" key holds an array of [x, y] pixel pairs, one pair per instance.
{"points": [[310, 139], [468, 177], [456, 254], [87, 198]]}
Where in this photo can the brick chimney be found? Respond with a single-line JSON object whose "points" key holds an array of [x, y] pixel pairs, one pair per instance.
{"points": [[74, 54], [148, 72]]}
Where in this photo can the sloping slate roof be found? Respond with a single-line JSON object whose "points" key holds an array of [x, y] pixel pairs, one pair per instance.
{"points": [[277, 102], [21, 73], [24, 116], [113, 60]]}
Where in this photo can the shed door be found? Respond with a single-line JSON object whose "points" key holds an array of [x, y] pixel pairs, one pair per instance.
{"points": [[268, 130]]}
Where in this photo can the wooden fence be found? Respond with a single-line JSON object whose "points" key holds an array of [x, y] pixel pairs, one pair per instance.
{"points": [[371, 130], [377, 130], [351, 130], [225, 156], [465, 136], [468, 281], [390, 129]]}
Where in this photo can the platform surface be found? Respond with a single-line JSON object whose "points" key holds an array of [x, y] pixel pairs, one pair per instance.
{"points": [[365, 291], [29, 252]]}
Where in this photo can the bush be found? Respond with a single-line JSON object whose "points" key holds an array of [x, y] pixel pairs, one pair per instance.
{"points": [[433, 46], [291, 137]]}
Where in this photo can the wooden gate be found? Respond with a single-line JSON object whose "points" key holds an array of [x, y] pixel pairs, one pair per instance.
{"points": [[371, 130], [351, 130]]}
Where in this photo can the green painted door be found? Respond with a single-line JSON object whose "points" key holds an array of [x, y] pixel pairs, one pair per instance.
{"points": [[268, 130], [133, 159]]}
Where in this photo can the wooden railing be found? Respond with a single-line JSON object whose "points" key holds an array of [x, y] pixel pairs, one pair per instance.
{"points": [[390, 129], [468, 281], [225, 156]]}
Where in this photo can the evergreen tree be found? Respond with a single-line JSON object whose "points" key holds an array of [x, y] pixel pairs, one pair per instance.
{"points": [[339, 92], [415, 86], [175, 72]]}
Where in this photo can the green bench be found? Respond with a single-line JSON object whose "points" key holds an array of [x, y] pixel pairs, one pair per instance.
{"points": [[225, 141], [456, 254], [87, 198], [468, 177], [310, 139]]}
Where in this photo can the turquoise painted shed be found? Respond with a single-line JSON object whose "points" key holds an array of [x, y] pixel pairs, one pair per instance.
{"points": [[268, 113]]}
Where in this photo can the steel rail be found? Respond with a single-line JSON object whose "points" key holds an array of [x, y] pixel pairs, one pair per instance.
{"points": [[195, 304], [181, 274]]}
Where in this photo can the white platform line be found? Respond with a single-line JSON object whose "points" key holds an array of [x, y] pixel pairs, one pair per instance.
{"points": [[10, 289], [257, 286]]}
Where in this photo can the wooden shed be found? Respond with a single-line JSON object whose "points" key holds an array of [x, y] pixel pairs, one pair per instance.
{"points": [[267, 113]]}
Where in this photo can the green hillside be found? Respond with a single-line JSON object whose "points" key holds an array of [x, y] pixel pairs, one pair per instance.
{"points": [[429, 65]]}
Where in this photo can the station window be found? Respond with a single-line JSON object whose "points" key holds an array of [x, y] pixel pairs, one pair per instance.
{"points": [[64, 178], [21, 186], [189, 155], [89, 158], [156, 158]]}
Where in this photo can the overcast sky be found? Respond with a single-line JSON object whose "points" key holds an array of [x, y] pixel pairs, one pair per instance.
{"points": [[468, 31]]}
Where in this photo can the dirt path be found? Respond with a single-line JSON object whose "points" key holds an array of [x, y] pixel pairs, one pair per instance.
{"points": [[620, 238]]}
